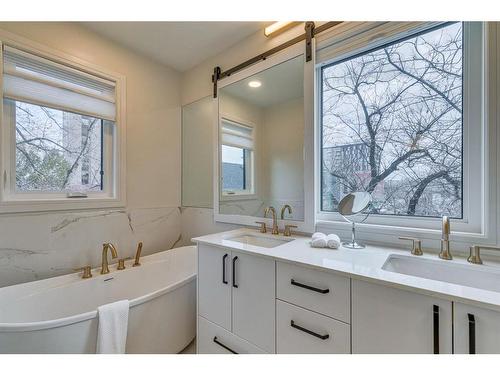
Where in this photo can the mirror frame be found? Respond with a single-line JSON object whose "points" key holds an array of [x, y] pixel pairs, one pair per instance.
{"points": [[307, 225]]}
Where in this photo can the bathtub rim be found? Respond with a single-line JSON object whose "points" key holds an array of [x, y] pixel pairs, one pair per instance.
{"points": [[89, 315]]}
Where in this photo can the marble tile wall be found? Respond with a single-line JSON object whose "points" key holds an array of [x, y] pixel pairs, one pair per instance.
{"points": [[37, 246]]}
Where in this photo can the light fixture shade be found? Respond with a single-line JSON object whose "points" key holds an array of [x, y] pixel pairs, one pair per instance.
{"points": [[273, 28]]}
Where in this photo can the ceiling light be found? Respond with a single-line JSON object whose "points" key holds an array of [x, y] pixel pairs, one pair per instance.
{"points": [[271, 29], [254, 84]]}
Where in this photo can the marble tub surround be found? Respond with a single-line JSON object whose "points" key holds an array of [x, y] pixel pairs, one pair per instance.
{"points": [[361, 264], [38, 246]]}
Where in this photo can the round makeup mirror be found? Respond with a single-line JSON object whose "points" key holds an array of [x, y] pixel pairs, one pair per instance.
{"points": [[353, 204]]}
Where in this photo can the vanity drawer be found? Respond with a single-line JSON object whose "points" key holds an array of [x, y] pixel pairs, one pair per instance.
{"points": [[301, 331], [319, 291], [213, 339]]}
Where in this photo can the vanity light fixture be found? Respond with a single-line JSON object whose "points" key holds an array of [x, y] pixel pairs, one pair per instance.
{"points": [[275, 27], [254, 84]]}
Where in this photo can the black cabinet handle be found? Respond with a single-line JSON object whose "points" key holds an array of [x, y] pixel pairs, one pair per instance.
{"points": [[435, 311], [224, 346], [300, 285], [322, 337], [472, 333], [234, 272], [224, 269]]}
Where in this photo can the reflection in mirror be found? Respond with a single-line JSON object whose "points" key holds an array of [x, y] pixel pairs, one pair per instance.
{"points": [[354, 203], [197, 153], [261, 141]]}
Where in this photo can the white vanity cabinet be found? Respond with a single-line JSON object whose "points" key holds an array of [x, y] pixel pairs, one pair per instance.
{"points": [[476, 330], [312, 311], [236, 291], [391, 320]]}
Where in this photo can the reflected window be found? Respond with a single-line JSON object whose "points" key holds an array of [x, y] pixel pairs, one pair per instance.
{"points": [[237, 141]]}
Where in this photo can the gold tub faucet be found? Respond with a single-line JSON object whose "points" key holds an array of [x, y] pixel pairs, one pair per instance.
{"points": [[114, 254], [138, 255]]}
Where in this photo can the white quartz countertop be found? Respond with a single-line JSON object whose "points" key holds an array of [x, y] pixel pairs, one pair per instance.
{"points": [[365, 264]]}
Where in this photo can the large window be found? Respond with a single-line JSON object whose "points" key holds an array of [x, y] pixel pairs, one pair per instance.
{"points": [[59, 133], [391, 124], [237, 143]]}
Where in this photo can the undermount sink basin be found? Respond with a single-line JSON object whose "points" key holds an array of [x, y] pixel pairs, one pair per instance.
{"points": [[260, 241], [474, 276]]}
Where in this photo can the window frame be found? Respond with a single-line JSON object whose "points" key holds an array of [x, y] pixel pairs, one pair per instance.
{"points": [[357, 37], [113, 194]]}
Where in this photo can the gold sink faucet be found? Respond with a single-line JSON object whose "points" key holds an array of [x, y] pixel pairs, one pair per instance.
{"points": [[445, 239], [114, 254], [275, 221]]}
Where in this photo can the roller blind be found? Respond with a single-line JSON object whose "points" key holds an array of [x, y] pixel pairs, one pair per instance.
{"points": [[237, 135], [37, 80]]}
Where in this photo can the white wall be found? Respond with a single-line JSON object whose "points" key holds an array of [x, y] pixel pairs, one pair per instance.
{"points": [[42, 245]]}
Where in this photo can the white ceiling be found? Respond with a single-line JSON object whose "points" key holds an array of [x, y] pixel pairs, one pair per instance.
{"points": [[280, 84], [180, 45]]}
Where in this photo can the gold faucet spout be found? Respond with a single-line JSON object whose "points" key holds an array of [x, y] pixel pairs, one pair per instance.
{"points": [[445, 252], [285, 208], [138, 255], [104, 263], [275, 221]]}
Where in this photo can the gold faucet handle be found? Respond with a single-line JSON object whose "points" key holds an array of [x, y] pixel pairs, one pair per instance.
{"points": [[87, 271], [475, 253], [121, 263], [263, 228], [288, 230], [416, 248]]}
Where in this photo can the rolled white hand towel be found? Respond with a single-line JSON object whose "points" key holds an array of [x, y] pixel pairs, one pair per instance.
{"points": [[318, 240], [318, 235], [333, 241]]}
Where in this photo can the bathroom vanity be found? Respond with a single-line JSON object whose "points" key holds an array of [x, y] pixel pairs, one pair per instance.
{"points": [[263, 293]]}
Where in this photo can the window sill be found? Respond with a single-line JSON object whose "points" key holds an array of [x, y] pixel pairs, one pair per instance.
{"points": [[65, 204], [388, 235]]}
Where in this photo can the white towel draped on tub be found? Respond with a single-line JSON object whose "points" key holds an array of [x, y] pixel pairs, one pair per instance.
{"points": [[112, 331]]}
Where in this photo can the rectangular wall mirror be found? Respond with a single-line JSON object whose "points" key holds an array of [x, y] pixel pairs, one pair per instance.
{"points": [[197, 153], [261, 142]]}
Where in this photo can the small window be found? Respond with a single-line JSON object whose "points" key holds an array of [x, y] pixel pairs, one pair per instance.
{"points": [[57, 150], [237, 141], [58, 131], [391, 124]]}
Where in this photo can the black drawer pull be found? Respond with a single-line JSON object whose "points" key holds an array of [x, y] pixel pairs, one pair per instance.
{"points": [[224, 346], [234, 272], [317, 290], [435, 311], [472, 333], [322, 337], [224, 269]]}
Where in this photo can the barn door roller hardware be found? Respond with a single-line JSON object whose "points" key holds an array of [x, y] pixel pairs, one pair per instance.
{"points": [[310, 32]]}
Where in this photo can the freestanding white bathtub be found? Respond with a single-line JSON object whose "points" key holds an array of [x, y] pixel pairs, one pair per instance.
{"points": [[59, 315]]}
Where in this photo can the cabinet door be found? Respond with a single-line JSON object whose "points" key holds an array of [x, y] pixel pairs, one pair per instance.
{"points": [[390, 320], [253, 288], [476, 330], [214, 285]]}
